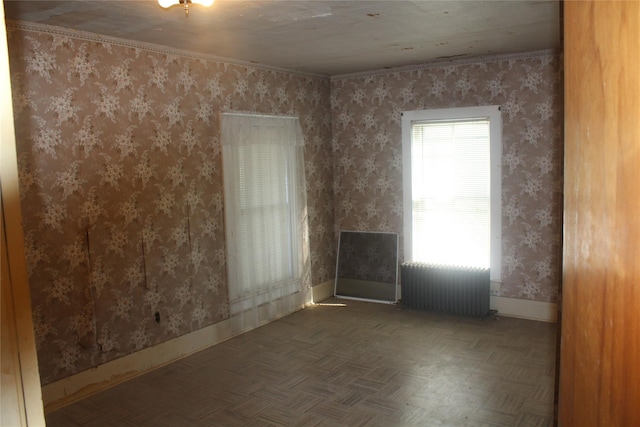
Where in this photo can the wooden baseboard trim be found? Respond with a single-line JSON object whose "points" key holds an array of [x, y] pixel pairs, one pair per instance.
{"points": [[84, 384], [525, 309], [509, 307], [322, 291], [73, 388]]}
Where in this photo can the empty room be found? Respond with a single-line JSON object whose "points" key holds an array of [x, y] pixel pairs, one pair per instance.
{"points": [[379, 213]]}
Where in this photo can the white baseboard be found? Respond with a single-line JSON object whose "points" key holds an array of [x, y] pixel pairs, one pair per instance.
{"points": [[86, 383], [322, 291], [78, 386], [509, 307], [525, 309]]}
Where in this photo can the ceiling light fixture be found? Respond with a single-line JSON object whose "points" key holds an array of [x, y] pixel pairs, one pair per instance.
{"points": [[185, 3]]}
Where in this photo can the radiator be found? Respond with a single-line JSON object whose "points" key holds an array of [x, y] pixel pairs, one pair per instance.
{"points": [[462, 291]]}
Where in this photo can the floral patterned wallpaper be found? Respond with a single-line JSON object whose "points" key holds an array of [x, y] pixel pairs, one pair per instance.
{"points": [[366, 117], [120, 179]]}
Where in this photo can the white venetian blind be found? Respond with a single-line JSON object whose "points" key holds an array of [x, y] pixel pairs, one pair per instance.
{"points": [[450, 181], [265, 208], [265, 243]]}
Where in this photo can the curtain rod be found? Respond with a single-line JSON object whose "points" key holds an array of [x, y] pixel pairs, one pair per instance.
{"points": [[232, 113]]}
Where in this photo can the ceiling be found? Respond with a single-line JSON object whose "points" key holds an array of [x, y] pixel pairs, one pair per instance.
{"points": [[332, 37]]}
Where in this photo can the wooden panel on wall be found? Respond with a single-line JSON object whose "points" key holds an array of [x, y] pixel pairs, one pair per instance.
{"points": [[21, 393], [600, 343], [12, 413]]}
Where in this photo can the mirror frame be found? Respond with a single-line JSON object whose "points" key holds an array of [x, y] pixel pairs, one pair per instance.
{"points": [[340, 259]]}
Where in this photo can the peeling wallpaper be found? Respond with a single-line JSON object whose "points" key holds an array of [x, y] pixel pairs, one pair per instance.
{"points": [[121, 178], [121, 184], [366, 117]]}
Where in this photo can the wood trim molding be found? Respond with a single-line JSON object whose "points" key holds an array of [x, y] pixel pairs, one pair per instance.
{"points": [[600, 333], [84, 384], [509, 307], [525, 309], [16, 298], [322, 291], [87, 383], [150, 47]]}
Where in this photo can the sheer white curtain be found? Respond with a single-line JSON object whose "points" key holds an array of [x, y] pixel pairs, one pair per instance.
{"points": [[265, 215]]}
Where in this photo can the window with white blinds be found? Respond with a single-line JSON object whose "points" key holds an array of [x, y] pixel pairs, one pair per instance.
{"points": [[451, 161], [265, 208], [265, 242]]}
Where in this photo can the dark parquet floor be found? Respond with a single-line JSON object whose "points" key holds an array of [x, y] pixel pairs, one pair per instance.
{"points": [[357, 364]]}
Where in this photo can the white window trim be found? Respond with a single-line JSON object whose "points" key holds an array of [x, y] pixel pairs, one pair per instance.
{"points": [[493, 113], [291, 289]]}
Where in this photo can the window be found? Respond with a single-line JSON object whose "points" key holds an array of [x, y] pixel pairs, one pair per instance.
{"points": [[265, 204], [452, 187]]}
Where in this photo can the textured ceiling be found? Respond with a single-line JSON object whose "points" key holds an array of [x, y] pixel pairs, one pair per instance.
{"points": [[320, 37]]}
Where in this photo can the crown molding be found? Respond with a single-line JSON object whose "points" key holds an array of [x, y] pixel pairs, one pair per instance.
{"points": [[450, 63], [149, 47]]}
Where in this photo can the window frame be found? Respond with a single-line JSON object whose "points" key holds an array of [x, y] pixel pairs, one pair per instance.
{"points": [[238, 135], [494, 115], [287, 206]]}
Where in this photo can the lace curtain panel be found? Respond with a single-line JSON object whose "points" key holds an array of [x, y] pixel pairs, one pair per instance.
{"points": [[266, 215]]}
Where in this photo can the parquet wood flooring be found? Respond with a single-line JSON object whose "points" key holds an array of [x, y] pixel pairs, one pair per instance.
{"points": [[361, 364]]}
